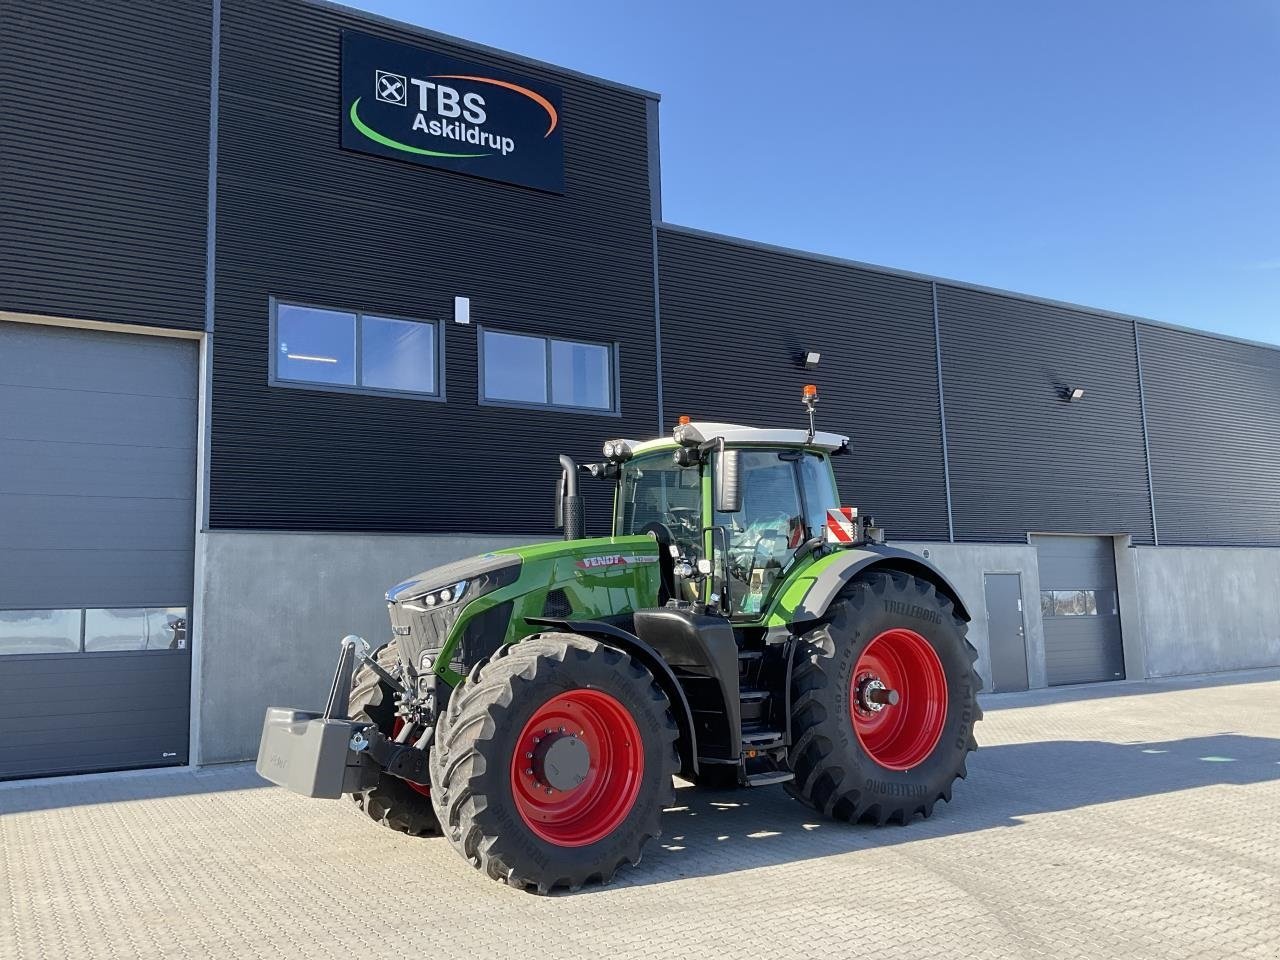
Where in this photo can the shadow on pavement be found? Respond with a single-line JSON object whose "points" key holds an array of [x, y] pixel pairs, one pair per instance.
{"points": [[49, 793], [1123, 688], [714, 832]]}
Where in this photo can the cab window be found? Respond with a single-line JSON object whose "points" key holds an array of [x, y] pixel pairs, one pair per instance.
{"points": [[765, 534], [653, 490], [820, 493]]}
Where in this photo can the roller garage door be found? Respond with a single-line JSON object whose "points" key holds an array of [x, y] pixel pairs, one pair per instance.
{"points": [[97, 518], [1080, 609]]}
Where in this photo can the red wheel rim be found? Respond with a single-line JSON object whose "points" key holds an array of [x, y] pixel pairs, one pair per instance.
{"points": [[902, 735], [415, 787], [614, 764]]}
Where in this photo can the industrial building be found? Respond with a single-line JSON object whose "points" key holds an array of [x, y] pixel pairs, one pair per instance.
{"points": [[296, 301]]}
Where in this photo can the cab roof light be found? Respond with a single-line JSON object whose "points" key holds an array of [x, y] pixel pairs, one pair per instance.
{"points": [[619, 450]]}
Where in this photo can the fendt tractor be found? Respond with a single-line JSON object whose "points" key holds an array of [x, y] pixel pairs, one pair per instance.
{"points": [[739, 628]]}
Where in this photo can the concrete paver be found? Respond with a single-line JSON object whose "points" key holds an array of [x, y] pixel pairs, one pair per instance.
{"points": [[1131, 820]]}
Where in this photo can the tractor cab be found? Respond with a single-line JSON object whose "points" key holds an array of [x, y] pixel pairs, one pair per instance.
{"points": [[733, 508]]}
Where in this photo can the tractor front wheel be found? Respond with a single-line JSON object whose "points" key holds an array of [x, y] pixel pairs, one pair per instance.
{"points": [[553, 763], [884, 699]]}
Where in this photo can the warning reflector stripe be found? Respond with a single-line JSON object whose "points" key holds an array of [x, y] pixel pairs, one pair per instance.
{"points": [[842, 525]]}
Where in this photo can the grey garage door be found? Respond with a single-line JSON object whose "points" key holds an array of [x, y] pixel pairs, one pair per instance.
{"points": [[1080, 609], [97, 518]]}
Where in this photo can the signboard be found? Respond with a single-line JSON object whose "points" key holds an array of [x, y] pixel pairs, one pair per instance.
{"points": [[417, 105]]}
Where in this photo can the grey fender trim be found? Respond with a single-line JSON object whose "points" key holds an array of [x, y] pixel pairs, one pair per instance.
{"points": [[857, 560], [662, 672]]}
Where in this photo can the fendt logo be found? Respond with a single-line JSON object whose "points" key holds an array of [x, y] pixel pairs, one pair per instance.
{"points": [[596, 563], [418, 105]]}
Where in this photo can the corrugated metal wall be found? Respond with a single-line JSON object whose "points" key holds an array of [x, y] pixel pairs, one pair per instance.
{"points": [[734, 319], [104, 125], [1213, 420], [1022, 459], [102, 216], [301, 219]]}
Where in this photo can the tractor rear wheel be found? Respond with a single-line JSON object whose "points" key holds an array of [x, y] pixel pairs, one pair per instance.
{"points": [[396, 804], [553, 762], [884, 699]]}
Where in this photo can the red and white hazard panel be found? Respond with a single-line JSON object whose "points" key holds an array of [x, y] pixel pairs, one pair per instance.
{"points": [[842, 525]]}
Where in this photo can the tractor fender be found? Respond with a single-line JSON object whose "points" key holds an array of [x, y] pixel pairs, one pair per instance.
{"points": [[851, 563], [620, 639]]}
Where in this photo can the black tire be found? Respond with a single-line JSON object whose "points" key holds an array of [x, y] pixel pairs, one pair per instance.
{"points": [[834, 773], [391, 802], [471, 767]]}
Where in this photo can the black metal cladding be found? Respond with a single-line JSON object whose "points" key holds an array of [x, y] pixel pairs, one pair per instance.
{"points": [[104, 146], [1213, 423], [1022, 458], [734, 319], [302, 219]]}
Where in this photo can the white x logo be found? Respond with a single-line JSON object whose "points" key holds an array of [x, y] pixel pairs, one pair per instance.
{"points": [[390, 87]]}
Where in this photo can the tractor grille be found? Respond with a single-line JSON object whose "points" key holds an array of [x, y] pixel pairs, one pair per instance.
{"points": [[557, 604]]}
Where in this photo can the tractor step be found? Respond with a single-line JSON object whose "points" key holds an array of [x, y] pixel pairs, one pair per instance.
{"points": [[760, 740], [752, 696], [750, 654], [769, 778]]}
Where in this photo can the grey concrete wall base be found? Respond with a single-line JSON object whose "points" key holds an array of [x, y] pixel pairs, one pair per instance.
{"points": [[272, 608], [1208, 609], [1131, 632], [965, 565]]}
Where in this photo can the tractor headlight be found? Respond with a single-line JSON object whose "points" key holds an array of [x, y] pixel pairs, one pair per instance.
{"points": [[608, 449], [439, 598]]}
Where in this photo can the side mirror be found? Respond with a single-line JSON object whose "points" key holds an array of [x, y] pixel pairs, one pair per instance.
{"points": [[727, 465]]}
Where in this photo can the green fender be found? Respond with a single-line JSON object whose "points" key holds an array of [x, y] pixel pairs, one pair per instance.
{"points": [[809, 595]]}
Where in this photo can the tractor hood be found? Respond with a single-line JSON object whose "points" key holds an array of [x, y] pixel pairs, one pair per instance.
{"points": [[457, 614], [469, 571]]}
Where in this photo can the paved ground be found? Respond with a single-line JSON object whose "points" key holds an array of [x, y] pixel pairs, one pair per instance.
{"points": [[1134, 820]]}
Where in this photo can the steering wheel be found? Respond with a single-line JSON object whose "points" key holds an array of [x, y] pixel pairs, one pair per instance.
{"points": [[686, 517], [660, 532]]}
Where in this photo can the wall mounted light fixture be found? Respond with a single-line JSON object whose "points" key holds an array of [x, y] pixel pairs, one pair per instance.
{"points": [[1072, 394], [809, 359]]}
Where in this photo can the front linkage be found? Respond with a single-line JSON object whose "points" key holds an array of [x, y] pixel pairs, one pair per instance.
{"points": [[300, 749]]}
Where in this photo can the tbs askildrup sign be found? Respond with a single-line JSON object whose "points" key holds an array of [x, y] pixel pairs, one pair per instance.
{"points": [[417, 105]]}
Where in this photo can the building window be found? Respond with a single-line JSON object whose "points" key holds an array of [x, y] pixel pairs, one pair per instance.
{"points": [[1077, 603], [93, 630], [150, 628], [39, 631], [521, 370], [327, 349]]}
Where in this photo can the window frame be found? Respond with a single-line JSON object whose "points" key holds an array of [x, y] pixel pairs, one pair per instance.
{"points": [[614, 348], [275, 380]]}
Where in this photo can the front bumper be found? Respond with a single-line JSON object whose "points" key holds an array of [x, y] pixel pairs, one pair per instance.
{"points": [[311, 755]]}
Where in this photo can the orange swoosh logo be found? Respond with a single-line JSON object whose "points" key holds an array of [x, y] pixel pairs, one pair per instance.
{"points": [[524, 91]]}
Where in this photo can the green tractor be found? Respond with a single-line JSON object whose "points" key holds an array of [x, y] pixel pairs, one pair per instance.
{"points": [[739, 628]]}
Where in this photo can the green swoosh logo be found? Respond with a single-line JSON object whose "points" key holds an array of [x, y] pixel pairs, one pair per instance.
{"points": [[386, 141]]}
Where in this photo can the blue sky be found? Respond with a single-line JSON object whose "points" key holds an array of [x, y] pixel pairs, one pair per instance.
{"points": [[1124, 155]]}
